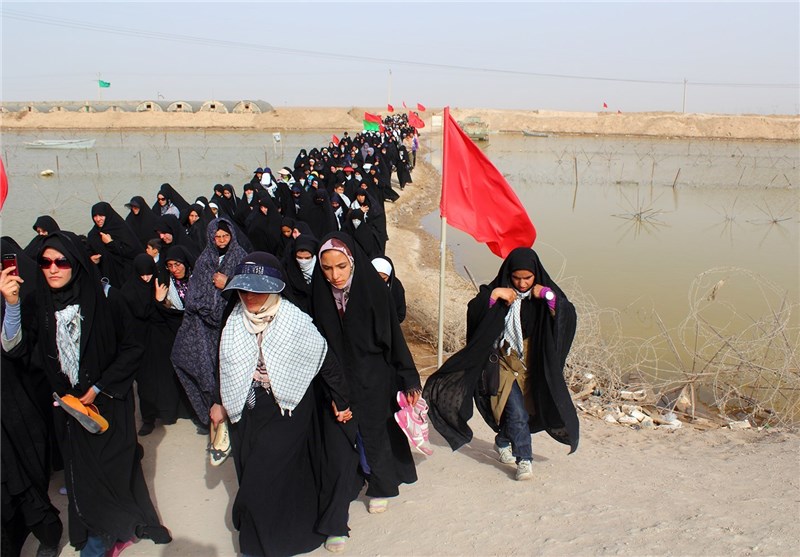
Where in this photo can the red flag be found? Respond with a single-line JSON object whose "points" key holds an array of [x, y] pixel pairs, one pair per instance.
{"points": [[372, 118], [477, 199], [420, 107], [3, 184], [390, 108], [415, 120], [335, 140], [605, 105], [404, 104]]}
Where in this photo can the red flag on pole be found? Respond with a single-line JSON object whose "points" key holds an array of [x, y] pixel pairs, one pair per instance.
{"points": [[335, 140], [390, 108], [420, 107], [477, 199], [415, 121], [605, 105], [3, 184], [372, 118], [404, 104]]}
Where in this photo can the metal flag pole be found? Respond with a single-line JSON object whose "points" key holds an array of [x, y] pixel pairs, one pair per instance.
{"points": [[442, 260]]}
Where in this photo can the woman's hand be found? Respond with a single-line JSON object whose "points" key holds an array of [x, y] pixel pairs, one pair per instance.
{"points": [[219, 280], [508, 295], [88, 397], [9, 285], [106, 238], [413, 395], [161, 291], [217, 414], [342, 415], [95, 258]]}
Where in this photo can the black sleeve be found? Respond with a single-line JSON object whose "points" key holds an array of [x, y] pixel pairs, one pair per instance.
{"points": [[333, 375]]}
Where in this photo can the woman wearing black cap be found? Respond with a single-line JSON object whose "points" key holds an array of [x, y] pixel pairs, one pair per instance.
{"points": [[354, 310], [270, 352], [79, 334], [523, 323]]}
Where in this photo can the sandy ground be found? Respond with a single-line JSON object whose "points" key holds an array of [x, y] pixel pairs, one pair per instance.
{"points": [[624, 492]]}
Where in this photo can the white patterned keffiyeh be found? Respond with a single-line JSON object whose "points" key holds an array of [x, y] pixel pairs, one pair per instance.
{"points": [[68, 341], [293, 353], [513, 326], [173, 296]]}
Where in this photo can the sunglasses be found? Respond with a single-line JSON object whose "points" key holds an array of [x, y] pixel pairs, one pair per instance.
{"points": [[61, 263]]}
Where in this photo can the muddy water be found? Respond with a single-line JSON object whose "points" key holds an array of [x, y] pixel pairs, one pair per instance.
{"points": [[636, 220]]}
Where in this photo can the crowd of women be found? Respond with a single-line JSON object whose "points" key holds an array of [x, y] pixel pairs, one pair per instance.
{"points": [[271, 319]]}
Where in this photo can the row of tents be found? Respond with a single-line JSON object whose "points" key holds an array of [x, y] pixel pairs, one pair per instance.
{"points": [[221, 107]]}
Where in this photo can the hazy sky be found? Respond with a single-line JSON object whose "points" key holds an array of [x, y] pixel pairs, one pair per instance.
{"points": [[736, 57]]}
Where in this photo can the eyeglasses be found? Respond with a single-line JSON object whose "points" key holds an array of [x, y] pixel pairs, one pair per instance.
{"points": [[174, 265], [61, 263]]}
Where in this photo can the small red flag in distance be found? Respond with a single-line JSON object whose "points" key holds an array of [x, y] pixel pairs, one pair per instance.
{"points": [[605, 105], [390, 108], [420, 107]]}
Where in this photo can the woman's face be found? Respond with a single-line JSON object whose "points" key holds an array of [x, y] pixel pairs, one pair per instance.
{"points": [[336, 267], [253, 301], [193, 217], [135, 210], [99, 220], [222, 239], [145, 278], [522, 280], [166, 237], [177, 269], [286, 231], [56, 277], [227, 194]]}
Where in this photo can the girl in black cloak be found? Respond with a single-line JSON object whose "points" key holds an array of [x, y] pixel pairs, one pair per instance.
{"points": [[43, 226], [270, 353], [228, 203], [364, 233], [196, 227], [172, 233], [79, 335], [287, 230], [523, 321], [27, 441], [403, 167], [263, 228], [301, 161], [115, 242], [354, 311], [320, 216], [371, 213], [299, 265], [169, 201], [141, 220], [204, 305], [156, 383], [385, 269], [208, 215]]}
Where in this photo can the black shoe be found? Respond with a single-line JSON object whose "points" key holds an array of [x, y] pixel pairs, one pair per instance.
{"points": [[147, 428]]}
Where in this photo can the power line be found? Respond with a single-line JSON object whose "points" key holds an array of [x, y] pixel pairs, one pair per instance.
{"points": [[186, 39]]}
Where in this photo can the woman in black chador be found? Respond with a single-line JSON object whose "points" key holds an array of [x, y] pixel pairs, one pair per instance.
{"points": [[523, 324], [355, 312], [82, 339], [115, 242], [158, 386]]}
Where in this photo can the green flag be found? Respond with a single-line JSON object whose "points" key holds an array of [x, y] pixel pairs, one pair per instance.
{"points": [[103, 84], [371, 126]]}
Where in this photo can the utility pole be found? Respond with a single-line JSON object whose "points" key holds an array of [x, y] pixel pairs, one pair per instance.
{"points": [[684, 95], [389, 93]]}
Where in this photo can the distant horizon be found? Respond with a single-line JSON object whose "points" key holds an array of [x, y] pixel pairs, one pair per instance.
{"points": [[382, 111]]}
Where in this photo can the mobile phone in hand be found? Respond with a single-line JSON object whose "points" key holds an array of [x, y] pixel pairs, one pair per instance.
{"points": [[10, 260]]}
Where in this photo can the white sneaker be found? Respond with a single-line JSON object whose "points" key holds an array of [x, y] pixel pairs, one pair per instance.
{"points": [[524, 471], [506, 456]]}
